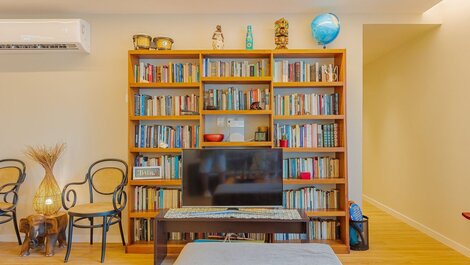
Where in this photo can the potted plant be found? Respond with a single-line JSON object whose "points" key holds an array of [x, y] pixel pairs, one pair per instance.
{"points": [[283, 141]]}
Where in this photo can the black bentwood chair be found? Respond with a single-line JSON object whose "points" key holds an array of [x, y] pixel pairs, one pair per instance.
{"points": [[12, 174], [106, 177]]}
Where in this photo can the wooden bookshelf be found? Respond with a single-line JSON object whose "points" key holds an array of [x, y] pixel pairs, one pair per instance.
{"points": [[336, 56]]}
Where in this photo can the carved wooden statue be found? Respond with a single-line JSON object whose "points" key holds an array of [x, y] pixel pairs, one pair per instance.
{"points": [[41, 229], [218, 39], [281, 33]]}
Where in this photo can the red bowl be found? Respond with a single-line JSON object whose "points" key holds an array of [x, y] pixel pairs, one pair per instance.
{"points": [[213, 137]]}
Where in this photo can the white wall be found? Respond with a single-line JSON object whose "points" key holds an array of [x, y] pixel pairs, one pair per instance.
{"points": [[81, 99], [416, 128]]}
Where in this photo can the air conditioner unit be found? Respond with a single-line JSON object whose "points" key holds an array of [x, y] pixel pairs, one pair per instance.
{"points": [[44, 35]]}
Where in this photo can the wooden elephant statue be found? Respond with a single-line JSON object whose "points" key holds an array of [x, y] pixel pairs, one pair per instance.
{"points": [[43, 230]]}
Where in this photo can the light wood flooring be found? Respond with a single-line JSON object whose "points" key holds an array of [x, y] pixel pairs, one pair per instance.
{"points": [[391, 243]]}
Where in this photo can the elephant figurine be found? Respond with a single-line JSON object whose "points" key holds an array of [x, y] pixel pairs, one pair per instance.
{"points": [[43, 230]]}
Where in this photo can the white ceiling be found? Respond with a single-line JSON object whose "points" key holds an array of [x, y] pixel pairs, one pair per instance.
{"points": [[379, 40], [18, 7]]}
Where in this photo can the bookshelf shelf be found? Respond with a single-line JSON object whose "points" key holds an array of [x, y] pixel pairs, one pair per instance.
{"points": [[235, 144], [326, 213], [165, 118], [156, 182], [308, 117], [315, 150], [306, 84], [269, 57], [236, 80], [165, 85], [236, 112], [314, 181], [155, 150]]}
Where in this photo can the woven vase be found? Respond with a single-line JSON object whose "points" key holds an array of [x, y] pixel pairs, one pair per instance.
{"points": [[47, 199]]}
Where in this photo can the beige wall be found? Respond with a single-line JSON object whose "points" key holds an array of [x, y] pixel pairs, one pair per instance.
{"points": [[81, 99], [416, 128]]}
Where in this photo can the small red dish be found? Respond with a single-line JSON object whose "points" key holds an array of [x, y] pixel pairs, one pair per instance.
{"points": [[213, 137]]}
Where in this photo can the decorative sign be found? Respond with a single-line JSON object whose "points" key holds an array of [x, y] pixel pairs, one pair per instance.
{"points": [[147, 172]]}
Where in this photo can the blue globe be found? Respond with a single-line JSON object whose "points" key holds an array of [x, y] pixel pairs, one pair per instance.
{"points": [[325, 28]]}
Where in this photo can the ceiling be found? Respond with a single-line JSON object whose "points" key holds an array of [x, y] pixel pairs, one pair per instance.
{"points": [[19, 7], [381, 39]]}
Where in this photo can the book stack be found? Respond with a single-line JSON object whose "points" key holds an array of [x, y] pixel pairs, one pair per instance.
{"points": [[163, 136], [318, 167], [306, 104], [218, 68], [307, 135], [319, 229], [311, 198], [236, 99], [152, 198], [302, 72], [171, 166], [146, 105], [143, 229], [170, 73]]}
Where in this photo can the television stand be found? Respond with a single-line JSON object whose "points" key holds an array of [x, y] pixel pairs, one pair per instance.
{"points": [[164, 225]]}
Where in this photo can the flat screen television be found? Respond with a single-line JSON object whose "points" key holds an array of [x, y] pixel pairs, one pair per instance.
{"points": [[232, 178]]}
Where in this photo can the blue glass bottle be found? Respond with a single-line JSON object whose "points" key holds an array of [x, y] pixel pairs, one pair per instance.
{"points": [[249, 38]]}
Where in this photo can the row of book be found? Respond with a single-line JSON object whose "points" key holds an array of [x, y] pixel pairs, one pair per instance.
{"points": [[320, 229], [218, 68], [171, 166], [318, 167], [306, 104], [144, 231], [304, 72], [152, 198], [235, 99], [164, 136], [146, 105], [311, 198], [307, 135], [170, 73]]}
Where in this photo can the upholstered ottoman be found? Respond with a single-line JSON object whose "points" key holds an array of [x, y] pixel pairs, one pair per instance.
{"points": [[217, 253]]}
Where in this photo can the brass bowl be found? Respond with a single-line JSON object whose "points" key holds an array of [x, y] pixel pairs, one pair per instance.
{"points": [[163, 43], [142, 41]]}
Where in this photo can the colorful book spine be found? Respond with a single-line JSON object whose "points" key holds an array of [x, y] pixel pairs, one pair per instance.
{"points": [[170, 73], [239, 68], [306, 104], [302, 71], [152, 198], [146, 105], [171, 166], [236, 99], [163, 136], [311, 198], [319, 229], [318, 167], [307, 135]]}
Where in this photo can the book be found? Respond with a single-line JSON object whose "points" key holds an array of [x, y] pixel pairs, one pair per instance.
{"points": [[319, 229], [171, 166], [165, 136], [301, 71], [168, 73], [318, 167], [307, 135], [306, 104], [146, 105], [232, 98], [234, 68]]}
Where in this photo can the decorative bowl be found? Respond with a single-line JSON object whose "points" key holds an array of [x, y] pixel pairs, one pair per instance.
{"points": [[142, 41], [163, 43], [213, 137]]}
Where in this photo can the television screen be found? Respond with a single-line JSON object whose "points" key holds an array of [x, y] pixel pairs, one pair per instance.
{"points": [[232, 177]]}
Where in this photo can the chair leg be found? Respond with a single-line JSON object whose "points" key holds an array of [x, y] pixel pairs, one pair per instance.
{"points": [[103, 242], [122, 232], [69, 245], [91, 231], [15, 223]]}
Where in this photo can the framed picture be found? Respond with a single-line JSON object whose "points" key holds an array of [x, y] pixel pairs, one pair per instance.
{"points": [[153, 172]]}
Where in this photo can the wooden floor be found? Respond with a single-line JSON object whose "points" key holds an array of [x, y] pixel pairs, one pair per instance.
{"points": [[391, 243]]}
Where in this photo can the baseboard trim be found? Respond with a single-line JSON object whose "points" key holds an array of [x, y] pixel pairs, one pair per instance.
{"points": [[419, 226]]}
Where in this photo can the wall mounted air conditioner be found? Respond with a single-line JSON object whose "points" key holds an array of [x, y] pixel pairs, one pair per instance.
{"points": [[44, 35]]}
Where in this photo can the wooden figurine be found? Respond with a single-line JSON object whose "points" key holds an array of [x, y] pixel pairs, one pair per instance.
{"points": [[218, 39], [281, 33], [41, 229]]}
